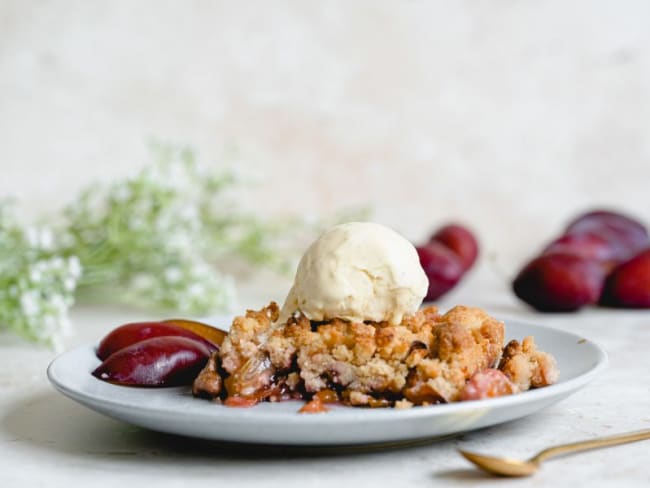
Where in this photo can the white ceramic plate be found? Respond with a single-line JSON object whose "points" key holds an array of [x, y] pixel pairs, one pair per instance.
{"points": [[174, 410]]}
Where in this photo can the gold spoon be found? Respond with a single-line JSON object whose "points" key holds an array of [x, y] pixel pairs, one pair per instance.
{"points": [[503, 466]]}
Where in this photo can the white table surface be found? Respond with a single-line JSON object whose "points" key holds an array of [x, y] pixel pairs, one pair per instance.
{"points": [[48, 440]]}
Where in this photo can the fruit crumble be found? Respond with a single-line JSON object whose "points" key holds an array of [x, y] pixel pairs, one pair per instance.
{"points": [[429, 358]]}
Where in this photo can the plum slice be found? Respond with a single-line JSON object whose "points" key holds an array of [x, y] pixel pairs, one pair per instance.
{"points": [[208, 332], [159, 361], [128, 334]]}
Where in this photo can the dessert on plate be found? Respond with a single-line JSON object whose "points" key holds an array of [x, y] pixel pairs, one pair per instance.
{"points": [[351, 331]]}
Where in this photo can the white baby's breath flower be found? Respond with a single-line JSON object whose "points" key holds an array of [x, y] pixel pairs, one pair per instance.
{"points": [[69, 284], [56, 263], [37, 282], [196, 290], [35, 274], [181, 243], [32, 236], [46, 239], [74, 267], [29, 303], [40, 238], [143, 282], [173, 275], [189, 213], [58, 303]]}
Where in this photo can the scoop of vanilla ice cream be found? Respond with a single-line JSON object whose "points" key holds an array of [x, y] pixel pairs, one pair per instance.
{"points": [[357, 271]]}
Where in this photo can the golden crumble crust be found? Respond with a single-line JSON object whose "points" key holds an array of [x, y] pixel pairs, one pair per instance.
{"points": [[428, 358], [528, 367], [246, 335]]}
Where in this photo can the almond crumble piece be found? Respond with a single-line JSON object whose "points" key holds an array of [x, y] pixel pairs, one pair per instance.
{"points": [[526, 366]]}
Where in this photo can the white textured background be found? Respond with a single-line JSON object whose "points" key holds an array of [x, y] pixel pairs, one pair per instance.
{"points": [[509, 115]]}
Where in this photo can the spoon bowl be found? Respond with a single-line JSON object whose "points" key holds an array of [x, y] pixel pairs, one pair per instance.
{"points": [[504, 466], [501, 466]]}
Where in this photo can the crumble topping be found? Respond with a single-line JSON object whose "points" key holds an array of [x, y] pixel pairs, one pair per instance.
{"points": [[528, 367], [428, 358]]}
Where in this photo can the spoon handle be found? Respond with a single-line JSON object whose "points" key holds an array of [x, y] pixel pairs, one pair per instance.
{"points": [[591, 444]]}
